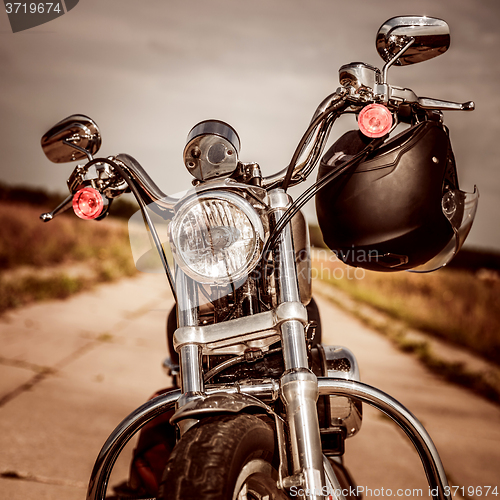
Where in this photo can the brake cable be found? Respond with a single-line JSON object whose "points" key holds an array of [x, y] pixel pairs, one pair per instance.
{"points": [[292, 210], [334, 107]]}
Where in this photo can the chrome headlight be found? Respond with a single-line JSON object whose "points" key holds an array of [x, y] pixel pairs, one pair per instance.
{"points": [[216, 237]]}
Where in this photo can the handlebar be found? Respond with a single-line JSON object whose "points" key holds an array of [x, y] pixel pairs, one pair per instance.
{"points": [[312, 143], [137, 177], [394, 95], [360, 86]]}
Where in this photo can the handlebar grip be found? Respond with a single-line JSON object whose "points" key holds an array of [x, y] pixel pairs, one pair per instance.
{"points": [[430, 103]]}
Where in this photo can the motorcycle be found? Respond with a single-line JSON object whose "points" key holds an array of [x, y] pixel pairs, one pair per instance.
{"points": [[262, 408]]}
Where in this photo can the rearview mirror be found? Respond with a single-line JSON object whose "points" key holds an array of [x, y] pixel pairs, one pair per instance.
{"points": [[431, 37], [74, 138]]}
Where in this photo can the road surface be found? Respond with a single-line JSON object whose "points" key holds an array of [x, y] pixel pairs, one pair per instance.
{"points": [[71, 370]]}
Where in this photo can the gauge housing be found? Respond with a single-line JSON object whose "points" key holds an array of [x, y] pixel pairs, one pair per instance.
{"points": [[212, 150]]}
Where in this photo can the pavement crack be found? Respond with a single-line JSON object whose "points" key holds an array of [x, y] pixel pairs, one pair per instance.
{"points": [[45, 372], [145, 309], [18, 363], [76, 354], [35, 478], [22, 388]]}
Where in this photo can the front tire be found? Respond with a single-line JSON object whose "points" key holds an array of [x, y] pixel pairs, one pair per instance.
{"points": [[227, 457]]}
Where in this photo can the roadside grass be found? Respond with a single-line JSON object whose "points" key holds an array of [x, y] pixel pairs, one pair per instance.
{"points": [[26, 240], [28, 289], [44, 254], [484, 383], [459, 306]]}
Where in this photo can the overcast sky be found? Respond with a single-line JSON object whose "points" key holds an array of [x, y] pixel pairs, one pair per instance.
{"points": [[148, 70]]}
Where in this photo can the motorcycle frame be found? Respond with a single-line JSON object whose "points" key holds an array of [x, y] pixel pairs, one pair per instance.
{"points": [[298, 388]]}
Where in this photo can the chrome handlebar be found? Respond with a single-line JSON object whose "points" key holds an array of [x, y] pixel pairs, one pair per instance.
{"points": [[138, 177], [312, 143], [138, 180], [361, 85], [360, 88]]}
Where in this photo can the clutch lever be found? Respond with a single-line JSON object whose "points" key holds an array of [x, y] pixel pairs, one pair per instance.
{"points": [[67, 203]]}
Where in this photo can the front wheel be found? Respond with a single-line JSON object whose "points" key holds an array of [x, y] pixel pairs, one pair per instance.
{"points": [[227, 457]]}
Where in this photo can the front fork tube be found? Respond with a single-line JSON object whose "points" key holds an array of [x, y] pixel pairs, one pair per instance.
{"points": [[191, 375], [299, 385]]}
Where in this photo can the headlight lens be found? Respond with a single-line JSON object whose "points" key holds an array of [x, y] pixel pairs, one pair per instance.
{"points": [[216, 237]]}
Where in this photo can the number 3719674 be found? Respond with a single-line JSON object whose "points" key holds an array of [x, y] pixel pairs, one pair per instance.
{"points": [[478, 491], [33, 8]]}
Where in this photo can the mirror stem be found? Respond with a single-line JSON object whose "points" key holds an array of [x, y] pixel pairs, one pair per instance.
{"points": [[87, 153], [394, 59]]}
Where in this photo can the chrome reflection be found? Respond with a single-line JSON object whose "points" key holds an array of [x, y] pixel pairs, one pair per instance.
{"points": [[267, 390], [431, 38]]}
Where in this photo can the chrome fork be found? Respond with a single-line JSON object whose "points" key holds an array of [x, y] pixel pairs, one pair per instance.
{"points": [[299, 385], [191, 375]]}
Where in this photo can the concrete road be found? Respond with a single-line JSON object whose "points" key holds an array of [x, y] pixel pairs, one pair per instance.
{"points": [[71, 370]]}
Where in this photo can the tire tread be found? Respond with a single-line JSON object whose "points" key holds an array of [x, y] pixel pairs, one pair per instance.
{"points": [[200, 464]]}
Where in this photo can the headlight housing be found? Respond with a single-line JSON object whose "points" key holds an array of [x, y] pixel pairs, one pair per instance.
{"points": [[216, 237]]}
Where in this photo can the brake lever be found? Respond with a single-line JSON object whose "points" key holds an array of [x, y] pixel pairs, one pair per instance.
{"points": [[430, 103], [407, 96], [67, 203]]}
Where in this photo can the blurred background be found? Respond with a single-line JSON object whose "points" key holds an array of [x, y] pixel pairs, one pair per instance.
{"points": [[148, 71]]}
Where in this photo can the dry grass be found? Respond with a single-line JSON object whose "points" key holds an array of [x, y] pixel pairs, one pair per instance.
{"points": [[459, 306], [37, 247], [26, 240], [483, 382]]}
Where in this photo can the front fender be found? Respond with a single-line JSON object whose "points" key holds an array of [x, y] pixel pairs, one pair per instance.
{"points": [[220, 403], [225, 402]]}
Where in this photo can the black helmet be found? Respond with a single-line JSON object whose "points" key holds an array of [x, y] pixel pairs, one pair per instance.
{"points": [[399, 209]]}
